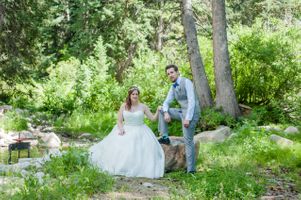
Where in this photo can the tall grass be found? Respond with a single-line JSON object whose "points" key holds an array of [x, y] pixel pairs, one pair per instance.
{"points": [[97, 123], [235, 169], [67, 177], [14, 121]]}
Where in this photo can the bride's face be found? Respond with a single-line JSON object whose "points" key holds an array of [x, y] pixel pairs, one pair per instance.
{"points": [[135, 96]]}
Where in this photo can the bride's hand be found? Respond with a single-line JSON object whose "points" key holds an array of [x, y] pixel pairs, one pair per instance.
{"points": [[121, 132]]}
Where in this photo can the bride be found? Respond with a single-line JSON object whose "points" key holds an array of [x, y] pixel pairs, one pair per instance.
{"points": [[131, 149]]}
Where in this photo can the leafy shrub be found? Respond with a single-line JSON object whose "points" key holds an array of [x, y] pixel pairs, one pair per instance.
{"points": [[14, 121], [22, 96], [264, 63], [97, 123], [69, 176], [59, 94], [212, 118], [72, 83], [148, 74], [71, 161], [268, 114]]}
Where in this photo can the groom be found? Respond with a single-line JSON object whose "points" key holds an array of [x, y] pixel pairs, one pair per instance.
{"points": [[183, 91]]}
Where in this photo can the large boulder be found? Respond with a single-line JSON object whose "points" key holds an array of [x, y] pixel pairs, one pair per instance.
{"points": [[281, 141], [4, 109], [218, 135], [51, 140], [291, 130], [5, 139], [175, 158]]}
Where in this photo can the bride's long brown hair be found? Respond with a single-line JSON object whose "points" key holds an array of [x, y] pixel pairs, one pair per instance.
{"points": [[128, 102]]}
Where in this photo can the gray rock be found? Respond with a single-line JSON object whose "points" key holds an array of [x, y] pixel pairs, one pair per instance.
{"points": [[281, 141], [22, 165], [22, 160], [88, 136], [20, 111], [32, 142], [291, 130], [6, 139], [5, 108], [39, 128], [26, 134], [24, 173], [273, 197], [2, 132], [2, 143], [52, 153], [39, 176], [37, 133], [4, 168], [218, 135], [51, 140], [270, 128], [48, 129], [146, 184]]}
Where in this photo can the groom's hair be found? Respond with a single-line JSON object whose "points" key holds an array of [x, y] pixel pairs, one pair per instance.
{"points": [[175, 67]]}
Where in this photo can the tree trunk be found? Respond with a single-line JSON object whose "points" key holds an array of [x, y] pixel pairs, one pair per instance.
{"points": [[124, 65], [195, 59], [1, 14], [225, 94], [160, 28]]}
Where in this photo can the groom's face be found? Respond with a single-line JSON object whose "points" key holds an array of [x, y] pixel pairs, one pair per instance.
{"points": [[172, 74]]}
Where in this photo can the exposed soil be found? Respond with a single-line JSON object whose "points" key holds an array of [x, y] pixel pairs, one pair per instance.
{"points": [[137, 188], [279, 188]]}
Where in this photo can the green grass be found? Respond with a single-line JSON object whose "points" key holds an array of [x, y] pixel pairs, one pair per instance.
{"points": [[98, 124], [219, 182], [235, 169], [14, 121], [69, 176], [34, 153]]}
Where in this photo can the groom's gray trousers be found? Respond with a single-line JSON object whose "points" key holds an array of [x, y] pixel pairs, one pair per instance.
{"points": [[188, 133]]}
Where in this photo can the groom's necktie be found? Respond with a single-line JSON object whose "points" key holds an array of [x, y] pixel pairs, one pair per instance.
{"points": [[175, 85]]}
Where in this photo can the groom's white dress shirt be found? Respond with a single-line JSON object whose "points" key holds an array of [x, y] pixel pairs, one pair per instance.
{"points": [[190, 97]]}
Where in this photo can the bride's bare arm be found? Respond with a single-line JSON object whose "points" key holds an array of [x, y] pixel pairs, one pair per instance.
{"points": [[120, 120], [150, 115]]}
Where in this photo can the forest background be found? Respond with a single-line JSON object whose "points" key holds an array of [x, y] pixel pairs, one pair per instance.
{"points": [[71, 62]]}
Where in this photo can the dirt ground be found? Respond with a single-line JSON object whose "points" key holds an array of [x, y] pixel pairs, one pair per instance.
{"points": [[137, 188]]}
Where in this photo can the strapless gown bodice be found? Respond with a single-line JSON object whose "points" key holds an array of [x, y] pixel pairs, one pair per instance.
{"points": [[133, 118]]}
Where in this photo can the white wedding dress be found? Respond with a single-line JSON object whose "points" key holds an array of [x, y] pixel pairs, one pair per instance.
{"points": [[137, 153]]}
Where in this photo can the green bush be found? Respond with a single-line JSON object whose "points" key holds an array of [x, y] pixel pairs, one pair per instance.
{"points": [[265, 63], [71, 161], [97, 123], [73, 83], [212, 118], [14, 121], [273, 113], [69, 176]]}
